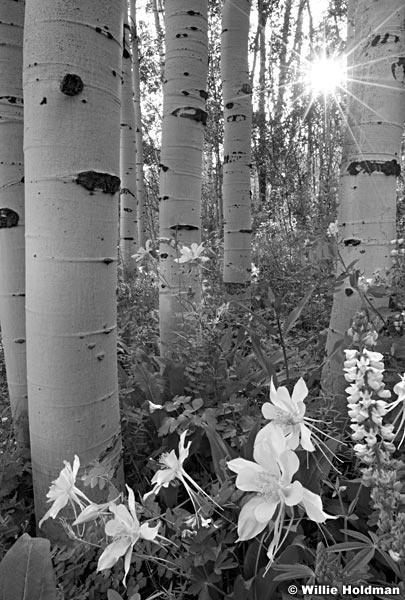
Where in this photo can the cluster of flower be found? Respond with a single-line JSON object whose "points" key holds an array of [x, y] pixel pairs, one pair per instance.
{"points": [[275, 463], [368, 407], [269, 477], [364, 372]]}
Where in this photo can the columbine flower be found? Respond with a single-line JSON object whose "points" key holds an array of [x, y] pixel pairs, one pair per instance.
{"points": [[174, 470], [143, 253], [63, 490], [288, 413], [125, 530], [192, 254], [270, 478], [399, 390], [333, 229]]}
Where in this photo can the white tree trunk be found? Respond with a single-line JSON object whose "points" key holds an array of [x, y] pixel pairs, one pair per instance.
{"points": [[371, 157], [184, 119], [12, 244], [237, 143], [128, 197], [140, 184], [72, 59]]}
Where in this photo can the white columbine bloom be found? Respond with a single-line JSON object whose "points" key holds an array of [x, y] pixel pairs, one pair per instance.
{"points": [[288, 412], [64, 490], [174, 470], [125, 530], [270, 478], [194, 253]]}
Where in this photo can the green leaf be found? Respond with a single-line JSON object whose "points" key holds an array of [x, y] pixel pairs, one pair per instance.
{"points": [[360, 561], [296, 313], [220, 452], [26, 571], [295, 571], [263, 360]]}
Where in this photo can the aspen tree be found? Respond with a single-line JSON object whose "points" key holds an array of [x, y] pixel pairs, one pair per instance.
{"points": [[140, 182], [184, 119], [72, 63], [237, 139], [370, 160], [12, 245], [128, 197]]}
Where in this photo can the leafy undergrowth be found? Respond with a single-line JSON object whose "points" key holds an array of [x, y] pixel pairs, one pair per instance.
{"points": [[213, 392]]}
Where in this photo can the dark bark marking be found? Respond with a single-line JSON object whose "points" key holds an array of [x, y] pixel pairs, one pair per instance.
{"points": [[106, 33], [91, 346], [204, 94], [8, 218], [389, 167], [128, 210], [108, 260], [114, 72], [399, 66], [246, 88], [163, 167], [126, 54], [348, 292], [100, 356], [383, 40], [20, 341], [103, 182], [18, 295], [193, 13], [236, 118], [164, 255], [185, 93], [128, 239], [352, 242], [245, 231], [229, 105], [43, 101], [180, 227], [71, 85], [189, 112], [186, 74], [181, 35]]}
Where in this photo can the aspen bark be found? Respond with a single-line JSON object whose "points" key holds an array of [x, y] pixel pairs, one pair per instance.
{"points": [[128, 196], [184, 119], [72, 63], [12, 244], [237, 144], [370, 161], [140, 181]]}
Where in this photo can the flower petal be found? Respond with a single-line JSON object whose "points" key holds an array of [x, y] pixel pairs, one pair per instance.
{"points": [[265, 510], [147, 532], [300, 391], [270, 412], [306, 442], [248, 525], [122, 514], [112, 553], [289, 465], [293, 493], [313, 507]]}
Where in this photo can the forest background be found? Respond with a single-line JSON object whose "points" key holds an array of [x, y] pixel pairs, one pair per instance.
{"points": [[201, 210]]}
